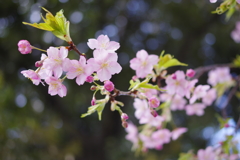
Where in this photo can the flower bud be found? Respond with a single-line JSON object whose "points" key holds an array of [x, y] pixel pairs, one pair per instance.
{"points": [[124, 124], [93, 88], [89, 79], [190, 73], [153, 102], [93, 101], [109, 86], [174, 76], [24, 47], [124, 116], [38, 64], [154, 113], [134, 78], [226, 125]]}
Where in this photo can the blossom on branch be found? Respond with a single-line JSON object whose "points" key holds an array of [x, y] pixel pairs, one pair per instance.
{"points": [[143, 63], [56, 86]]}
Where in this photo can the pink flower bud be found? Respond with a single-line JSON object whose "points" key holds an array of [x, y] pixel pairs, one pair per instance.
{"points": [[154, 113], [89, 79], [174, 76], [93, 101], [124, 124], [39, 64], [109, 86], [134, 78], [190, 73], [226, 125], [93, 88], [124, 116], [24, 47], [153, 102]]}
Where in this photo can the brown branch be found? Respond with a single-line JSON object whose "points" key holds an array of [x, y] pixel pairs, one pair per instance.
{"points": [[73, 47]]}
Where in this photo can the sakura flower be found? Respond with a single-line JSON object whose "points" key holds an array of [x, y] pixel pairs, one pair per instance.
{"points": [[153, 102], [199, 92], [24, 47], [207, 154], [143, 63], [44, 72], [103, 42], [196, 108], [32, 75], [89, 79], [178, 132], [56, 86], [132, 134], [149, 92], [190, 87], [109, 86], [210, 97], [148, 141], [178, 85], [55, 60], [162, 136], [149, 119], [77, 69], [124, 116], [105, 64], [141, 107], [219, 75], [177, 103]]}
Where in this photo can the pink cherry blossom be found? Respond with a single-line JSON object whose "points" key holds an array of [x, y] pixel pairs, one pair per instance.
{"points": [[55, 60], [149, 119], [162, 136], [153, 102], [105, 64], [56, 86], [44, 72], [77, 69], [190, 73], [109, 86], [210, 97], [124, 116], [177, 103], [196, 108], [178, 132], [24, 47], [132, 134], [32, 75], [178, 85], [207, 154], [103, 42], [219, 75], [143, 63], [199, 92], [148, 141], [141, 107], [190, 87], [149, 92]]}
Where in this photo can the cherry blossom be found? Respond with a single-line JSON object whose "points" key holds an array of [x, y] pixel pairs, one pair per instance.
{"points": [[55, 60], [103, 42], [105, 64], [199, 92], [77, 69], [24, 47], [207, 154], [153, 102], [32, 75], [219, 75], [143, 63], [177, 103], [196, 108], [132, 134], [190, 73], [178, 85], [56, 86], [162, 136], [210, 97]]}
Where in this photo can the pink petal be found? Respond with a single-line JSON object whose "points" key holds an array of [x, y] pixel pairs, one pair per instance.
{"points": [[103, 39], [63, 53], [92, 43], [113, 46], [103, 75]]}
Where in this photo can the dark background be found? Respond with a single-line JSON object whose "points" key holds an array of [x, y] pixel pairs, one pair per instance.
{"points": [[37, 126]]}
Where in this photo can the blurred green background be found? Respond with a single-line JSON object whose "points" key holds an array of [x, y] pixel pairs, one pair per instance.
{"points": [[37, 126]]}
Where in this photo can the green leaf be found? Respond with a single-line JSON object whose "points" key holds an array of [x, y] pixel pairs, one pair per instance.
{"points": [[167, 61], [150, 86], [58, 25], [90, 111], [236, 61], [222, 121], [226, 146], [99, 110]]}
